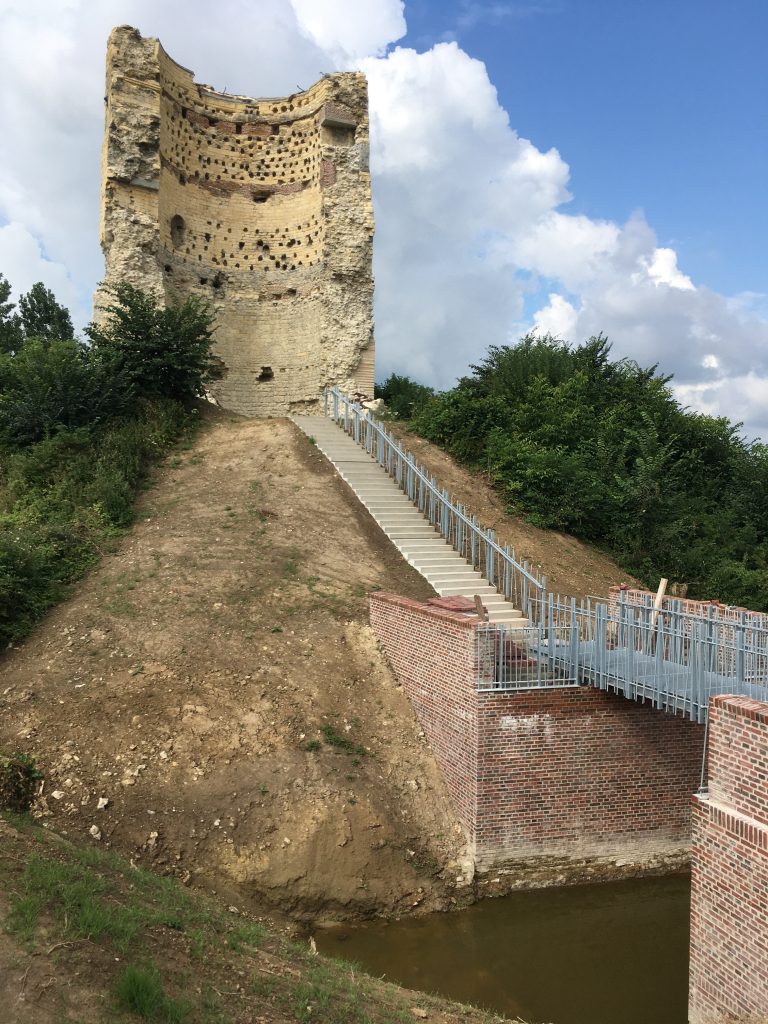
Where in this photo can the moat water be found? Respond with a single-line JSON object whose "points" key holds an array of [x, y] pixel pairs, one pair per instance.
{"points": [[615, 953]]}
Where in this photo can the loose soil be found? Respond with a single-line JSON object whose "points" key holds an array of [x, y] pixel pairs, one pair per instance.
{"points": [[572, 567], [216, 682]]}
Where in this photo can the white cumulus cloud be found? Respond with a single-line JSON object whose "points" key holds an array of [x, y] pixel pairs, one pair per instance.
{"points": [[349, 29], [472, 219]]}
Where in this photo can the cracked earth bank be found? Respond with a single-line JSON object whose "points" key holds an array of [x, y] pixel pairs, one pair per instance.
{"points": [[194, 680]]}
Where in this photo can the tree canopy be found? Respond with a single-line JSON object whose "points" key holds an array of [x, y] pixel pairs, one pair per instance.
{"points": [[578, 441]]}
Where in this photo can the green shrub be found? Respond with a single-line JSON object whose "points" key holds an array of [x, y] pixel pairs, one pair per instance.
{"points": [[42, 317], [64, 497], [576, 441], [19, 777], [403, 396], [164, 352], [47, 387]]}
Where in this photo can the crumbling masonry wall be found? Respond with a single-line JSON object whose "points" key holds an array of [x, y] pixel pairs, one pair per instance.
{"points": [[261, 206]]}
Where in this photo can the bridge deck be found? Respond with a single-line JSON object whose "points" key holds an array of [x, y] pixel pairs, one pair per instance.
{"points": [[518, 660]]}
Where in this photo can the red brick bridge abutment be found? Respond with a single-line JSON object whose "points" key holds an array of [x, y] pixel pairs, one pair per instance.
{"points": [[553, 784]]}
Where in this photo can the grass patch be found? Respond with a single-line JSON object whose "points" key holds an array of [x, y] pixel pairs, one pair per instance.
{"points": [[246, 936], [64, 500], [140, 990], [326, 993], [340, 742]]}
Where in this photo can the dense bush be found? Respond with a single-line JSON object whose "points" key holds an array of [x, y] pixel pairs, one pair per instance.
{"points": [[403, 397], [51, 386], [42, 317], [163, 352], [79, 427], [10, 325], [577, 441], [62, 499]]}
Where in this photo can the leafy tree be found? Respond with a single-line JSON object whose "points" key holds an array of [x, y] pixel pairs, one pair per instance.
{"points": [[163, 352], [403, 396], [10, 325], [577, 441], [42, 317], [50, 386]]}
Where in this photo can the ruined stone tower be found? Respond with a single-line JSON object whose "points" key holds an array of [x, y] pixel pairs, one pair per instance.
{"points": [[262, 206]]}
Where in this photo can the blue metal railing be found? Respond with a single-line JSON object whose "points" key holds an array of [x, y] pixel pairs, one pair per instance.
{"points": [[670, 657], [518, 583]]}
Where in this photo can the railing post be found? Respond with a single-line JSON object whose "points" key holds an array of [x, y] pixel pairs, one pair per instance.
{"points": [[740, 673]]}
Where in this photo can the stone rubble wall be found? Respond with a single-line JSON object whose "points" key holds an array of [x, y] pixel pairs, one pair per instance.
{"points": [[263, 207]]}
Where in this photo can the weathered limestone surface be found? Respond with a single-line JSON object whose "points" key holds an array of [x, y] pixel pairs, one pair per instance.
{"points": [[262, 206]]}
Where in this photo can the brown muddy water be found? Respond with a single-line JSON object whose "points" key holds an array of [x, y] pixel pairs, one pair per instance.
{"points": [[615, 953]]}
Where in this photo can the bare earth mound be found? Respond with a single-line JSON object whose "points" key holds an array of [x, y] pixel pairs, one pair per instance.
{"points": [[216, 682]]}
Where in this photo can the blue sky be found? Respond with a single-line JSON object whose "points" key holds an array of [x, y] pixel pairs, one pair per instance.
{"points": [[658, 106], [573, 166]]}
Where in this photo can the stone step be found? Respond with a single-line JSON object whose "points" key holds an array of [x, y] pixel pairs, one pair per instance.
{"points": [[410, 531]]}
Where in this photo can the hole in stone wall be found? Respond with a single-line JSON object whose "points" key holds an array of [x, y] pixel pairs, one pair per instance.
{"points": [[177, 230], [267, 373], [218, 281]]}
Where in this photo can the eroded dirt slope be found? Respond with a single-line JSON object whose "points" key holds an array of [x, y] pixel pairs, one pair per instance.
{"points": [[64, 957], [189, 677]]}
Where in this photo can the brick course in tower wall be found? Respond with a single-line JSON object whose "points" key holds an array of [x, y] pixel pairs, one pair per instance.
{"points": [[562, 774], [729, 897]]}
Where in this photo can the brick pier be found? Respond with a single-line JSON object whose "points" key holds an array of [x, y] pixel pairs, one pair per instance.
{"points": [[729, 898]]}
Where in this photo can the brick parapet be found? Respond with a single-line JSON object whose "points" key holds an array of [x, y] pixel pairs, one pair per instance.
{"points": [[729, 897], [738, 755]]}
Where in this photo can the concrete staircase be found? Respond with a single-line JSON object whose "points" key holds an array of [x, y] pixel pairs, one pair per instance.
{"points": [[418, 542]]}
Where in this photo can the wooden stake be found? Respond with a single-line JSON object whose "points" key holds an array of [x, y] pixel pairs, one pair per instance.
{"points": [[659, 601]]}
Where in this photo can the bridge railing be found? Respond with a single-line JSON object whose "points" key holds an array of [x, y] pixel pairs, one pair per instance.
{"points": [[671, 658], [517, 581], [526, 658]]}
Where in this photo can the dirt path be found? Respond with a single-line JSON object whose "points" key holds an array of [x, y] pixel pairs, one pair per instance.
{"points": [[189, 679], [572, 567]]}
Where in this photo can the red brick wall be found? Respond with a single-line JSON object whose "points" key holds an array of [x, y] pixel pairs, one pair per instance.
{"points": [[729, 899], [431, 652], [583, 772], [563, 772]]}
